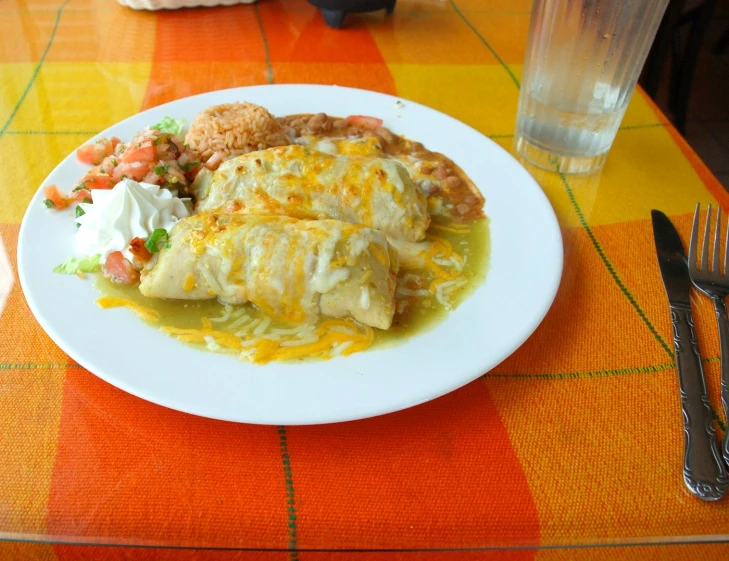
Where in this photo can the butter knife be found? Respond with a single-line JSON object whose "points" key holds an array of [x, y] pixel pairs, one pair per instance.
{"points": [[703, 470]]}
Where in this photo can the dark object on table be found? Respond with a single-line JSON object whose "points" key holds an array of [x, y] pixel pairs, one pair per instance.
{"points": [[334, 11], [679, 14]]}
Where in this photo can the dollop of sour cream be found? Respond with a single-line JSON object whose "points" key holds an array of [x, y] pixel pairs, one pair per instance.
{"points": [[129, 210]]}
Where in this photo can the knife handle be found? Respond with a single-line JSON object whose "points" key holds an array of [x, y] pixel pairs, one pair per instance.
{"points": [[703, 469]]}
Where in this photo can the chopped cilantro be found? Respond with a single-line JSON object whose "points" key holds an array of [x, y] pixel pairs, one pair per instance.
{"points": [[188, 166], [159, 236], [49, 203], [160, 170]]}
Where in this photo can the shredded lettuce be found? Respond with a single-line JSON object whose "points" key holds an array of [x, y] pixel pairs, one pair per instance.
{"points": [[85, 264], [170, 125]]}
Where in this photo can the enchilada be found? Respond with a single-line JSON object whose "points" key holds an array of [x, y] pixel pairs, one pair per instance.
{"points": [[295, 181], [292, 269]]}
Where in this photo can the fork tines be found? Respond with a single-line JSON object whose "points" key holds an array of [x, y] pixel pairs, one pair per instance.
{"points": [[693, 245]]}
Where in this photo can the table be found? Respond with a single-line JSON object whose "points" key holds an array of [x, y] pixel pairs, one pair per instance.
{"points": [[575, 440]]}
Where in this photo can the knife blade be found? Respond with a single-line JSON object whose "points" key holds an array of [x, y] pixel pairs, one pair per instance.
{"points": [[703, 469]]}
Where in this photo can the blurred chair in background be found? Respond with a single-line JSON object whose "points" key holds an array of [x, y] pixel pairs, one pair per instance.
{"points": [[683, 17]]}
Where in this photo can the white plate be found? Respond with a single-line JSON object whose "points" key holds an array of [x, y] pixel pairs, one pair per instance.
{"points": [[526, 266]]}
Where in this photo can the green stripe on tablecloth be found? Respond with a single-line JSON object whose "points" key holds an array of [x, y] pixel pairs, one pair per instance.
{"points": [[603, 373], [486, 43], [290, 499], [609, 266], [492, 136], [594, 374], [291, 505], [38, 366], [59, 12], [623, 128], [636, 127], [269, 68], [84, 133], [516, 375]]}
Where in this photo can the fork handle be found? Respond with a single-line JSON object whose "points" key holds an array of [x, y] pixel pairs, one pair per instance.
{"points": [[723, 323], [703, 470]]}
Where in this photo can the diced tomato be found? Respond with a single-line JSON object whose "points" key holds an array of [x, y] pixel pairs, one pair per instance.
{"points": [[215, 160], [151, 177], [92, 181], [89, 154], [134, 170], [108, 165], [174, 171], [140, 152], [95, 153], [136, 160], [364, 122], [119, 270], [80, 196], [54, 195], [100, 182], [139, 250]]}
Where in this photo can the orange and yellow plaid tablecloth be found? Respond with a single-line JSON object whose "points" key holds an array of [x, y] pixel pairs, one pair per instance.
{"points": [[574, 440]]}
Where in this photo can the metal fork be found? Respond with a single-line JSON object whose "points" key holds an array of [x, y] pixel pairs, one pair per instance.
{"points": [[715, 285]]}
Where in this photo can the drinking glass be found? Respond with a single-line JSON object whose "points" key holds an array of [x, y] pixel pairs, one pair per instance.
{"points": [[582, 62]]}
